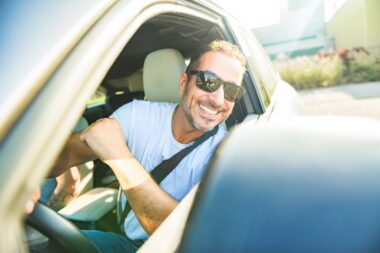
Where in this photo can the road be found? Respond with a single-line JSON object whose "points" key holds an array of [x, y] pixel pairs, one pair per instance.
{"points": [[361, 100]]}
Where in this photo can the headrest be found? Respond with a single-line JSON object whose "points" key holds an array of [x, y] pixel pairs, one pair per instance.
{"points": [[133, 82], [161, 73]]}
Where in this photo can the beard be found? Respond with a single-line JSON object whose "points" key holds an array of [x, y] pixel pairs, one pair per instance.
{"points": [[190, 119]]}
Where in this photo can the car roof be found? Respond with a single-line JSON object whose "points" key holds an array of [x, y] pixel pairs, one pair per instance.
{"points": [[36, 37]]}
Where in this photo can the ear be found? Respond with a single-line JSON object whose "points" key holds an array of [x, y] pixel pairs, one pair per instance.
{"points": [[182, 83]]}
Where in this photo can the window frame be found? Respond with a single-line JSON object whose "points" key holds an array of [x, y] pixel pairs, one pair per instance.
{"points": [[41, 131]]}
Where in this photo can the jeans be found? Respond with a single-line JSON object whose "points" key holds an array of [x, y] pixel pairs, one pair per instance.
{"points": [[108, 242], [47, 189]]}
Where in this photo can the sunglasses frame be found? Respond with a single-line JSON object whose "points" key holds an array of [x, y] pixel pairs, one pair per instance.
{"points": [[208, 81]]}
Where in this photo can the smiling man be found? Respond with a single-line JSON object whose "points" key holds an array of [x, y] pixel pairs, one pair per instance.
{"points": [[141, 134], [206, 104]]}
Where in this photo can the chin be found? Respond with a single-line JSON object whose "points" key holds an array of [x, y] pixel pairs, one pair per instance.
{"points": [[205, 127]]}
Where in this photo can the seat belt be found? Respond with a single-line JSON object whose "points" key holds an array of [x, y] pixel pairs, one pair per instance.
{"points": [[164, 168]]}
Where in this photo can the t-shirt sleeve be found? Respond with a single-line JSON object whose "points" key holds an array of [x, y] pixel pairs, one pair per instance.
{"points": [[124, 116]]}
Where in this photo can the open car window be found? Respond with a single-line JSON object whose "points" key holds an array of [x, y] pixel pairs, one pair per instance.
{"points": [[96, 66]]}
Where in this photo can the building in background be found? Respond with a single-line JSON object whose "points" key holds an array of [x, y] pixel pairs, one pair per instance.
{"points": [[309, 26], [355, 23], [301, 30]]}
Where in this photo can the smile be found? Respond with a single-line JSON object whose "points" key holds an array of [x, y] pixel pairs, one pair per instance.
{"points": [[208, 110]]}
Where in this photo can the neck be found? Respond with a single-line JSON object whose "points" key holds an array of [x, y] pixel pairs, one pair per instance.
{"points": [[182, 130]]}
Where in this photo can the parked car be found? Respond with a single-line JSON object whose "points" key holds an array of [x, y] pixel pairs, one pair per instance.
{"points": [[56, 55]]}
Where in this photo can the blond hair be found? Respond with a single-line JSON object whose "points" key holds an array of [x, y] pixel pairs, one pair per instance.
{"points": [[217, 46]]}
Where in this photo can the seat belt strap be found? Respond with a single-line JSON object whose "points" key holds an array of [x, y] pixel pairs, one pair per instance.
{"points": [[165, 167]]}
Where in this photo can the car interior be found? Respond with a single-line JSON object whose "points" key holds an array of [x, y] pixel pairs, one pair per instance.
{"points": [[283, 189], [128, 78], [148, 68]]}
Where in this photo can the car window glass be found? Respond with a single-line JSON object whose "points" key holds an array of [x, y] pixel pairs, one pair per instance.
{"points": [[98, 98], [264, 74]]}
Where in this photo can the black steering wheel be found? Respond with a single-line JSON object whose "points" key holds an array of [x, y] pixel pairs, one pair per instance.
{"points": [[61, 232]]}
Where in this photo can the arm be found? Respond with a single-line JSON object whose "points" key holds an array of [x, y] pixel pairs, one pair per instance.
{"points": [[29, 206], [69, 182], [74, 153], [149, 202]]}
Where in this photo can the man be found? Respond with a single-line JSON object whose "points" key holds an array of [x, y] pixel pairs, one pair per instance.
{"points": [[141, 134]]}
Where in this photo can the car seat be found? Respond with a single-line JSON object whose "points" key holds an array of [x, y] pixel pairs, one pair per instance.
{"points": [[161, 74], [127, 89]]}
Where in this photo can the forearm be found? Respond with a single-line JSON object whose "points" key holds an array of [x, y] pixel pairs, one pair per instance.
{"points": [[69, 182], [74, 153], [150, 203]]}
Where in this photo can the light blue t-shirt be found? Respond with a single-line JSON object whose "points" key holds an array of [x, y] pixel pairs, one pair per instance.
{"points": [[148, 133]]}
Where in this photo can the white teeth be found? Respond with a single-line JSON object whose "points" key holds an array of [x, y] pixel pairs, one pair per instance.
{"points": [[208, 110]]}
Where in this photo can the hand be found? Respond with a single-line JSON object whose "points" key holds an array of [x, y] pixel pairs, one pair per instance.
{"points": [[106, 140], [29, 206], [68, 187], [69, 182]]}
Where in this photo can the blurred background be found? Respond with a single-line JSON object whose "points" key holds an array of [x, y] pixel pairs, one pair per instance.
{"points": [[329, 50]]}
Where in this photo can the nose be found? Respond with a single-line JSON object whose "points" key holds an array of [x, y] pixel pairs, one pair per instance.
{"points": [[218, 96]]}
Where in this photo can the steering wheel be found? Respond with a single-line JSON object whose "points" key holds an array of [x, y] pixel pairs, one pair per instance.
{"points": [[59, 230]]}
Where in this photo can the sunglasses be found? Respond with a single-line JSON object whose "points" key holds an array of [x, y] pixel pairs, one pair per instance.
{"points": [[210, 82]]}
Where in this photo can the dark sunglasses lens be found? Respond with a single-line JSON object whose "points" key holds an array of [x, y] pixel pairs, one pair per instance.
{"points": [[232, 92], [208, 82]]}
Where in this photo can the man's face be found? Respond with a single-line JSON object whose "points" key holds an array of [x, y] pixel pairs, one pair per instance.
{"points": [[202, 109]]}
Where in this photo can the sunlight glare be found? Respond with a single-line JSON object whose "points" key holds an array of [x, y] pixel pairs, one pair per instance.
{"points": [[254, 13]]}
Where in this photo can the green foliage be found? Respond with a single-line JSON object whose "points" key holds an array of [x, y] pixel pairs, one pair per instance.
{"points": [[98, 97], [330, 68]]}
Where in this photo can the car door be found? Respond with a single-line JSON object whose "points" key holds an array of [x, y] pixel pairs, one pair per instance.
{"points": [[267, 98], [278, 99], [36, 39], [57, 55]]}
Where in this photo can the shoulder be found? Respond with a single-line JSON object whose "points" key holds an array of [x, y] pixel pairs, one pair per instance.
{"points": [[219, 136], [222, 131], [142, 106], [208, 147], [149, 105], [202, 155]]}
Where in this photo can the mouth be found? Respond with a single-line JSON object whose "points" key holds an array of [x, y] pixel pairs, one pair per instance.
{"points": [[208, 110]]}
